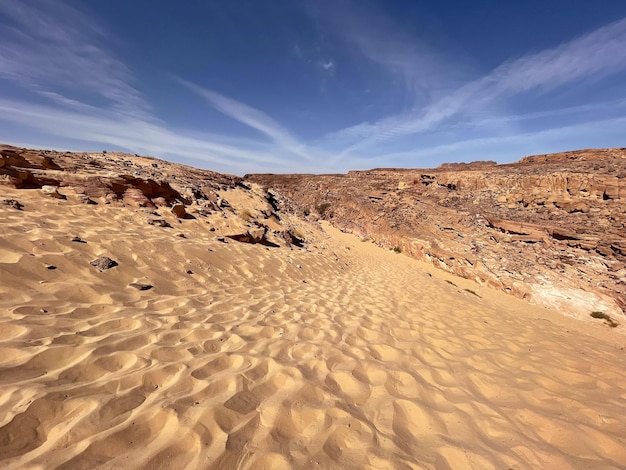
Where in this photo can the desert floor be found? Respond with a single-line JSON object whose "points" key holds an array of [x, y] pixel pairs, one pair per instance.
{"points": [[342, 355]]}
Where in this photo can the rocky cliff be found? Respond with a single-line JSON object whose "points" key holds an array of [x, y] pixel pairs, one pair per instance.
{"points": [[549, 228]]}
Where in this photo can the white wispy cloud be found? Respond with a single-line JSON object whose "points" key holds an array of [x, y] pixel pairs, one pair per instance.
{"points": [[409, 59], [592, 56], [52, 48], [328, 65], [511, 147], [588, 58], [139, 136], [251, 117], [79, 90]]}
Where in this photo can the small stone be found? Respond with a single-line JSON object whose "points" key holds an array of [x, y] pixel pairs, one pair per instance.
{"points": [[181, 235], [78, 240], [103, 263], [14, 203], [189, 271], [140, 286], [52, 191], [51, 266], [84, 199], [221, 239], [159, 223]]}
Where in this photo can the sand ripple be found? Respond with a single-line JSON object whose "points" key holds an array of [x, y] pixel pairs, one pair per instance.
{"points": [[372, 363]]}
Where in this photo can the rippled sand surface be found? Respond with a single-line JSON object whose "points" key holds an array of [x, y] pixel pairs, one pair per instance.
{"points": [[244, 356]]}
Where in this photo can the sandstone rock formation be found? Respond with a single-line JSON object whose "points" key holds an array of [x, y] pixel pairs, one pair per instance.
{"points": [[550, 228], [252, 235], [51, 191], [162, 193], [179, 211]]}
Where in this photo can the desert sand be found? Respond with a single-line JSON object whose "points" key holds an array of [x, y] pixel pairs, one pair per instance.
{"points": [[337, 355]]}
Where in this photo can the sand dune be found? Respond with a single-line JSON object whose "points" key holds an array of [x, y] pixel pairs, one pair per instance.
{"points": [[245, 356]]}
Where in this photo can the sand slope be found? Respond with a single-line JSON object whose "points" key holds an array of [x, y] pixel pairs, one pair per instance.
{"points": [[244, 356]]}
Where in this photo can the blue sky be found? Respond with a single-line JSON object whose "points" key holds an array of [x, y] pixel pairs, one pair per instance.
{"points": [[314, 85]]}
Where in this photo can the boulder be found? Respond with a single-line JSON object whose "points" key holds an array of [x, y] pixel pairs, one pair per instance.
{"points": [[84, 199], [179, 211], [52, 191], [291, 238], [140, 286], [14, 203], [252, 235], [103, 263]]}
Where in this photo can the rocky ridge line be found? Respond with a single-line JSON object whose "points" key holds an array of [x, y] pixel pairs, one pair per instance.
{"points": [[549, 228]]}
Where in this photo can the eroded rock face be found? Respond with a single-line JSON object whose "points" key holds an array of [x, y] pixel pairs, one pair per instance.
{"points": [[111, 178], [551, 228], [166, 192]]}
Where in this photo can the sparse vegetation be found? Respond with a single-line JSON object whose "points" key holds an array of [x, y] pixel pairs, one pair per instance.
{"points": [[365, 239], [307, 212], [322, 208], [397, 249], [607, 318]]}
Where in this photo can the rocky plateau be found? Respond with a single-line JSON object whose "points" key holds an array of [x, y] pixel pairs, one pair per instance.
{"points": [[548, 228]]}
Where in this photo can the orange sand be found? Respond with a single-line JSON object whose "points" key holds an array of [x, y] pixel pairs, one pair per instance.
{"points": [[376, 361]]}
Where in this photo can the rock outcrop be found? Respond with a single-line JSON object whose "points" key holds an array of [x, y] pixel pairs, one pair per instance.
{"points": [[103, 263], [550, 228], [163, 193], [110, 178], [252, 235]]}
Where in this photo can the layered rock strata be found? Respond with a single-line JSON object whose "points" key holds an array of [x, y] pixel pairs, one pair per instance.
{"points": [[549, 228]]}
